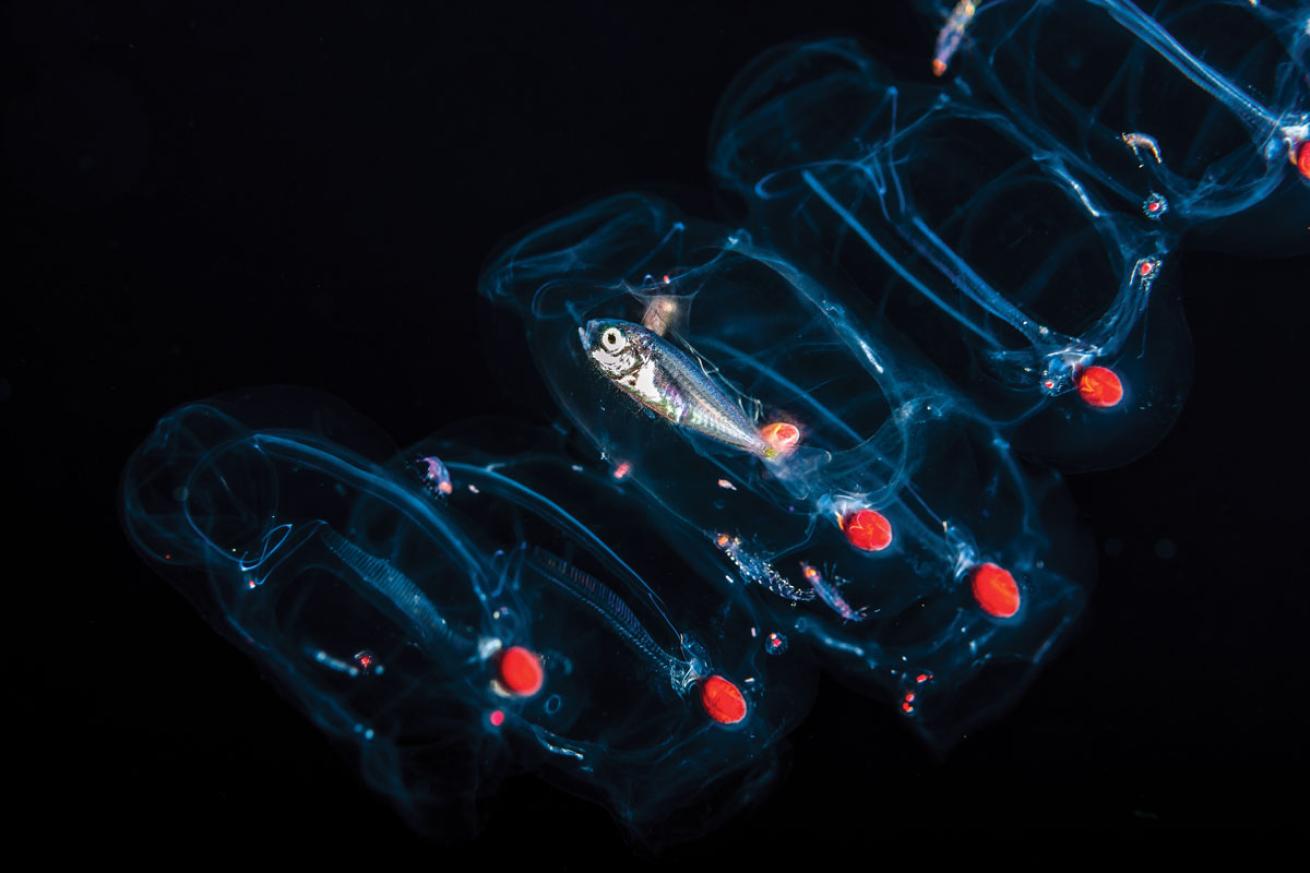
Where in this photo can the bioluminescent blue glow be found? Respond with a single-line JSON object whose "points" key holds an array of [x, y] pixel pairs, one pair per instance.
{"points": [[843, 480], [1017, 225], [458, 637], [805, 441], [1206, 104]]}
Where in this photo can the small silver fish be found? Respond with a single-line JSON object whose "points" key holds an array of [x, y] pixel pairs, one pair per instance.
{"points": [[665, 379]]}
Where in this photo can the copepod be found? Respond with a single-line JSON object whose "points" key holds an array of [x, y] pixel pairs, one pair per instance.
{"points": [[951, 35], [662, 312], [828, 593], [1142, 142], [435, 476], [755, 569], [668, 381]]}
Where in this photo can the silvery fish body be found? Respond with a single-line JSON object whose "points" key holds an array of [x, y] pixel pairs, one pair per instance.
{"points": [[666, 380]]}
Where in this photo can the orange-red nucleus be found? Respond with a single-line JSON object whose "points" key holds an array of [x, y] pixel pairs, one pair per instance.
{"points": [[781, 436], [521, 671], [1303, 158], [722, 700], [1100, 387], [867, 530], [995, 590]]}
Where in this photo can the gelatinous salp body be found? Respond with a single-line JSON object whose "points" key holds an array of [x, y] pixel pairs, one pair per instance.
{"points": [[973, 234], [757, 473], [861, 541], [493, 631], [1220, 91]]}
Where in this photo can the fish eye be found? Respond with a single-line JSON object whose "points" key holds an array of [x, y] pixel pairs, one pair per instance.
{"points": [[611, 338]]}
